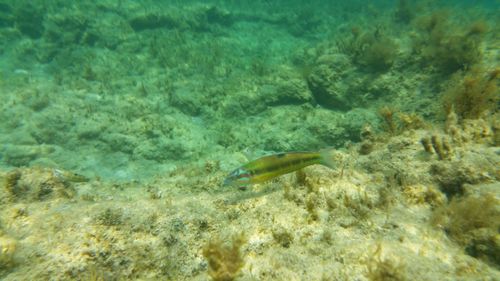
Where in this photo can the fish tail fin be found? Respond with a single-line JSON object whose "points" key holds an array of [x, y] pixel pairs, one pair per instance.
{"points": [[330, 158]]}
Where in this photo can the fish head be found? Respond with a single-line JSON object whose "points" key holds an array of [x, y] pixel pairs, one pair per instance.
{"points": [[239, 177]]}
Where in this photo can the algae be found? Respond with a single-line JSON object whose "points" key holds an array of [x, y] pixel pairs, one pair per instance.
{"points": [[224, 262]]}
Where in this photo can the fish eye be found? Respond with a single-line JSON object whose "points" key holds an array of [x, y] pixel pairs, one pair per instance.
{"points": [[239, 175]]}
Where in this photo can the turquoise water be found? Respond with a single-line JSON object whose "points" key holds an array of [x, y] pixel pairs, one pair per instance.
{"points": [[131, 89], [164, 98]]}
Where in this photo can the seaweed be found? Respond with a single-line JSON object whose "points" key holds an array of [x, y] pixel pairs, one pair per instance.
{"points": [[283, 237], [384, 269], [472, 93], [224, 261], [367, 140], [11, 180], [110, 217], [379, 54], [485, 246], [473, 222], [36, 184], [372, 49], [311, 203], [465, 214], [448, 47], [389, 123]]}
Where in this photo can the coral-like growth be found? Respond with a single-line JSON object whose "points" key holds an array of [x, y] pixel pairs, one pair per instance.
{"points": [[447, 47], [426, 143], [472, 93], [421, 194], [395, 124], [224, 261], [442, 147], [411, 121]]}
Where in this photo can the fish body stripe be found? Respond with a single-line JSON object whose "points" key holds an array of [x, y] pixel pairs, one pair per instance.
{"points": [[275, 165]]}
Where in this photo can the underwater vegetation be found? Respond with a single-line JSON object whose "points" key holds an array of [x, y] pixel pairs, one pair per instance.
{"points": [[110, 217], [373, 50], [473, 222], [448, 46], [381, 268], [224, 261], [395, 122], [473, 92], [439, 145], [36, 185]]}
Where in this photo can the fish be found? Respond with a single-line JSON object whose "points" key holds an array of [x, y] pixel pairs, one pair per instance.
{"points": [[271, 166], [69, 176]]}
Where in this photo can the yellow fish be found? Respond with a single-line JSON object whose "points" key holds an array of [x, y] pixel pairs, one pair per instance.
{"points": [[272, 166]]}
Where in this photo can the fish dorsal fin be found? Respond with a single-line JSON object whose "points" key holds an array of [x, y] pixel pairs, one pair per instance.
{"points": [[255, 154]]}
